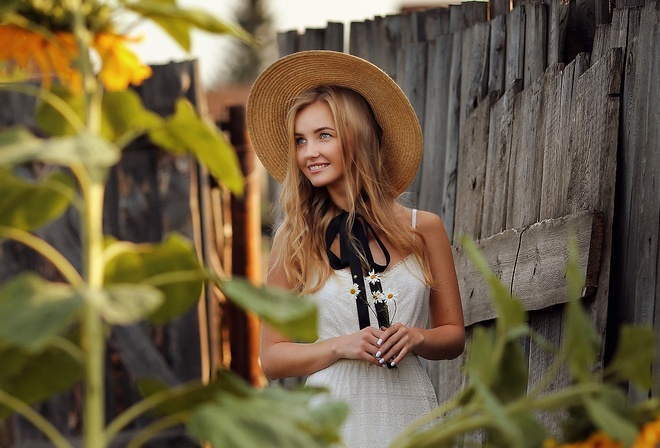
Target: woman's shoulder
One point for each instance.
(428, 222)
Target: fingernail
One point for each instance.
(380, 341)
(378, 353)
(392, 363)
(381, 360)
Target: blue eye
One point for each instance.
(324, 135)
(300, 141)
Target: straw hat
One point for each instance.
(285, 79)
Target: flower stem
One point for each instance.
(46, 250)
(43, 425)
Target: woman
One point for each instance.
(344, 141)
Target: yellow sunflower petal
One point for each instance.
(120, 66)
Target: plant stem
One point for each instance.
(157, 427)
(93, 337)
(46, 250)
(36, 419)
(144, 405)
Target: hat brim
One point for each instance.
(283, 81)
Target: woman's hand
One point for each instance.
(397, 341)
(362, 345)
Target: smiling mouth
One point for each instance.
(314, 168)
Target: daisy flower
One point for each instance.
(374, 277)
(377, 296)
(354, 291)
(389, 296)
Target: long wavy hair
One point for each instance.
(308, 210)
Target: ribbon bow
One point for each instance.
(349, 257)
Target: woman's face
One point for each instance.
(318, 149)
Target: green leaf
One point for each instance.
(479, 365)
(125, 304)
(171, 266)
(190, 395)
(97, 154)
(29, 205)
(634, 356)
(177, 21)
(609, 421)
(32, 311)
(186, 131)
(511, 375)
(124, 112)
(30, 377)
(51, 121)
(273, 417)
(290, 314)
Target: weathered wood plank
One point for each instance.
(333, 36)
(532, 262)
(497, 58)
(288, 42)
(536, 36)
(474, 83)
(467, 14)
(497, 163)
(601, 41)
(436, 23)
(471, 174)
(515, 45)
(553, 177)
(524, 186)
(451, 161)
(312, 39)
(556, 176)
(358, 42)
(435, 124)
(411, 76)
(557, 27)
(499, 8)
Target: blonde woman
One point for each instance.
(344, 142)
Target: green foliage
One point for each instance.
(496, 403)
(28, 205)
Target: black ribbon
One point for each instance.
(349, 257)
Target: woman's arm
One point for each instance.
(281, 357)
(445, 339)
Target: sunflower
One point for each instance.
(37, 38)
(35, 53)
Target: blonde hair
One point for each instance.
(308, 210)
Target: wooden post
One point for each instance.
(246, 250)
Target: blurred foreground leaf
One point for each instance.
(290, 314)
(33, 311)
(29, 205)
(171, 266)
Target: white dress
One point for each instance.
(382, 401)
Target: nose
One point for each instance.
(311, 151)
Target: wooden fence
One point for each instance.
(534, 122)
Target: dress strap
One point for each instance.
(414, 218)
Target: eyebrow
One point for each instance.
(316, 131)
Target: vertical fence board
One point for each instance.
(536, 36)
(453, 120)
(412, 79)
(333, 37)
(436, 23)
(557, 27)
(497, 163)
(497, 58)
(515, 46)
(526, 158)
(312, 39)
(474, 85)
(471, 174)
(435, 125)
